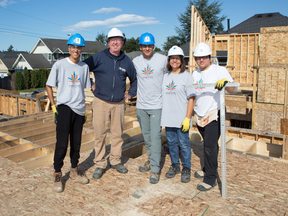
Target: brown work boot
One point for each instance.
(78, 175)
(58, 186)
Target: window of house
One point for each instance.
(222, 56)
(49, 57)
(240, 123)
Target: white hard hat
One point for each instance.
(175, 50)
(114, 32)
(202, 49)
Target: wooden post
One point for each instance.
(284, 131)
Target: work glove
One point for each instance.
(85, 117)
(185, 126)
(221, 83)
(55, 113)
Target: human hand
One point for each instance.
(185, 126)
(127, 97)
(93, 87)
(221, 83)
(55, 113)
(85, 117)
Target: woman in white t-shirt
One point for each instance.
(206, 108)
(177, 105)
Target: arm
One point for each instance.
(133, 82)
(50, 94)
(185, 126)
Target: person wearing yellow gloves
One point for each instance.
(71, 76)
(206, 109)
(177, 107)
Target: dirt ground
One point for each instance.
(255, 186)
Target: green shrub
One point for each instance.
(19, 80)
(27, 78)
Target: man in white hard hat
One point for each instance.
(206, 108)
(110, 67)
(150, 68)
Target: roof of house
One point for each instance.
(9, 62)
(186, 47)
(254, 23)
(36, 61)
(54, 44)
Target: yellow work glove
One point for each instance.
(185, 126)
(221, 83)
(85, 117)
(55, 113)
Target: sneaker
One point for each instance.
(78, 175)
(120, 168)
(174, 169)
(154, 178)
(98, 172)
(185, 175)
(146, 167)
(199, 174)
(205, 187)
(58, 186)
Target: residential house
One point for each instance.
(56, 49)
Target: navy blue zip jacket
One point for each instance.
(110, 73)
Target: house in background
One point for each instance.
(7, 60)
(56, 49)
(31, 62)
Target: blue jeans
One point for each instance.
(175, 135)
(150, 126)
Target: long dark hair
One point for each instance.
(182, 66)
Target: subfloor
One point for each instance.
(255, 186)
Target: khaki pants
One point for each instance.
(103, 113)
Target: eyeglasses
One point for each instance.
(202, 57)
(74, 47)
(117, 40)
(175, 58)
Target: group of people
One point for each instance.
(165, 98)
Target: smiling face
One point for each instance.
(147, 50)
(115, 45)
(175, 63)
(75, 52)
(203, 62)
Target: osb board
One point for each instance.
(271, 84)
(255, 186)
(268, 119)
(274, 45)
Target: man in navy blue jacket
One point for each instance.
(111, 67)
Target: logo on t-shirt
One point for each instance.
(171, 86)
(200, 82)
(74, 78)
(147, 70)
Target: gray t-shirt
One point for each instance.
(176, 92)
(70, 79)
(149, 80)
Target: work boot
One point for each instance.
(205, 187)
(199, 174)
(185, 175)
(98, 172)
(154, 178)
(58, 186)
(78, 175)
(146, 167)
(174, 169)
(120, 168)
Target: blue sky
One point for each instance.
(23, 22)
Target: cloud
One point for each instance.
(107, 10)
(4, 3)
(118, 21)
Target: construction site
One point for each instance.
(256, 163)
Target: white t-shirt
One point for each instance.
(150, 74)
(175, 94)
(70, 79)
(208, 98)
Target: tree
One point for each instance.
(131, 45)
(10, 49)
(210, 15)
(27, 78)
(171, 41)
(208, 12)
(157, 49)
(19, 80)
(101, 38)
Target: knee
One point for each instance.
(207, 151)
